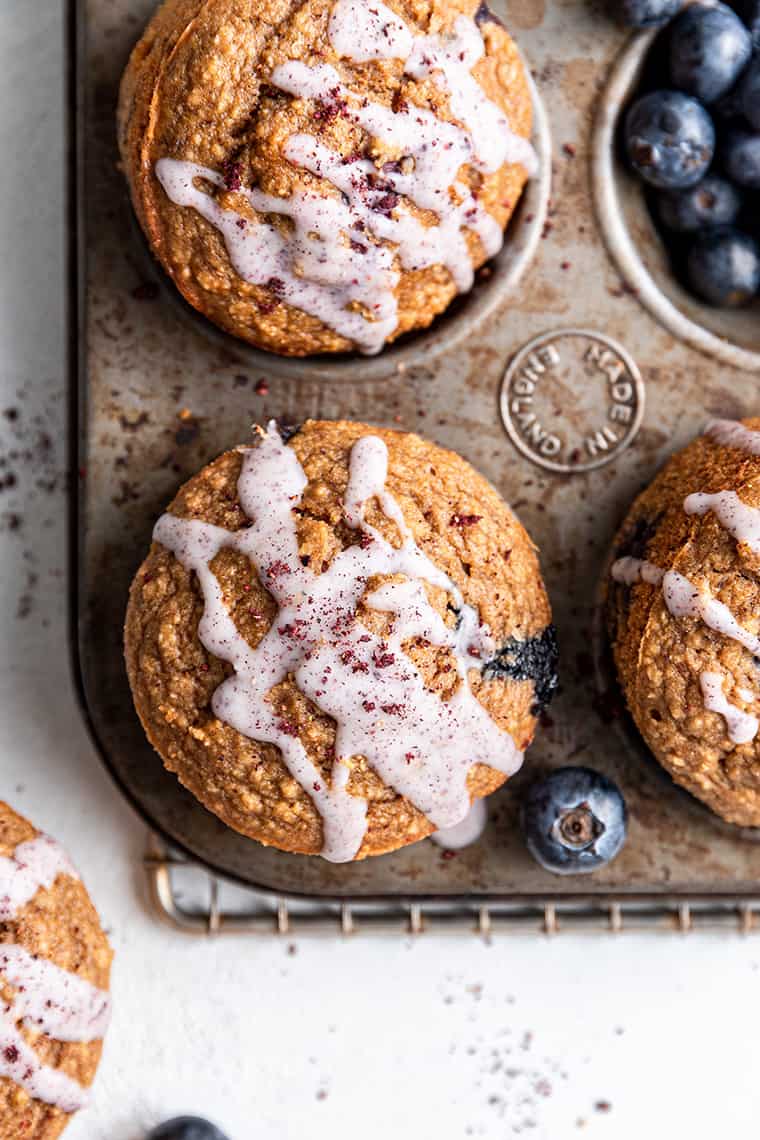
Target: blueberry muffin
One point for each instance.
(338, 642)
(324, 176)
(55, 963)
(684, 617)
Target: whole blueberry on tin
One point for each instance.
(740, 156)
(709, 48)
(723, 267)
(574, 820)
(712, 202)
(749, 93)
(748, 12)
(186, 1128)
(646, 13)
(669, 139)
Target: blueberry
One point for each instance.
(669, 139)
(749, 219)
(729, 108)
(740, 156)
(186, 1128)
(749, 93)
(574, 820)
(712, 202)
(529, 659)
(749, 12)
(647, 13)
(709, 48)
(723, 267)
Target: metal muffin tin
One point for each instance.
(154, 398)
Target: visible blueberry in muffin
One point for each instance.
(534, 659)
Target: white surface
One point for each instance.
(396, 1034)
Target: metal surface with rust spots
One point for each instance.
(161, 401)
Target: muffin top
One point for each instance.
(684, 614)
(324, 176)
(338, 642)
(54, 970)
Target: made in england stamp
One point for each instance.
(572, 400)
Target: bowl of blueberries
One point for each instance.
(676, 170)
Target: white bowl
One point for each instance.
(729, 335)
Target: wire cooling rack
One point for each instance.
(194, 901)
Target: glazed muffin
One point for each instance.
(324, 176)
(684, 617)
(55, 963)
(338, 642)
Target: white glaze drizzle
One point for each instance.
(420, 745)
(365, 32)
(684, 599)
(731, 433)
(628, 571)
(20, 1063)
(743, 523)
(742, 727)
(465, 833)
(316, 268)
(418, 246)
(35, 864)
(51, 1000)
(339, 263)
(47, 999)
(358, 32)
(740, 520)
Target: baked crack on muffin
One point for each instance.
(55, 963)
(340, 642)
(324, 176)
(683, 611)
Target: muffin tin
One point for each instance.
(155, 397)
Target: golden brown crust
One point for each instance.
(173, 678)
(659, 657)
(60, 924)
(196, 89)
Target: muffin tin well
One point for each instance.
(494, 283)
